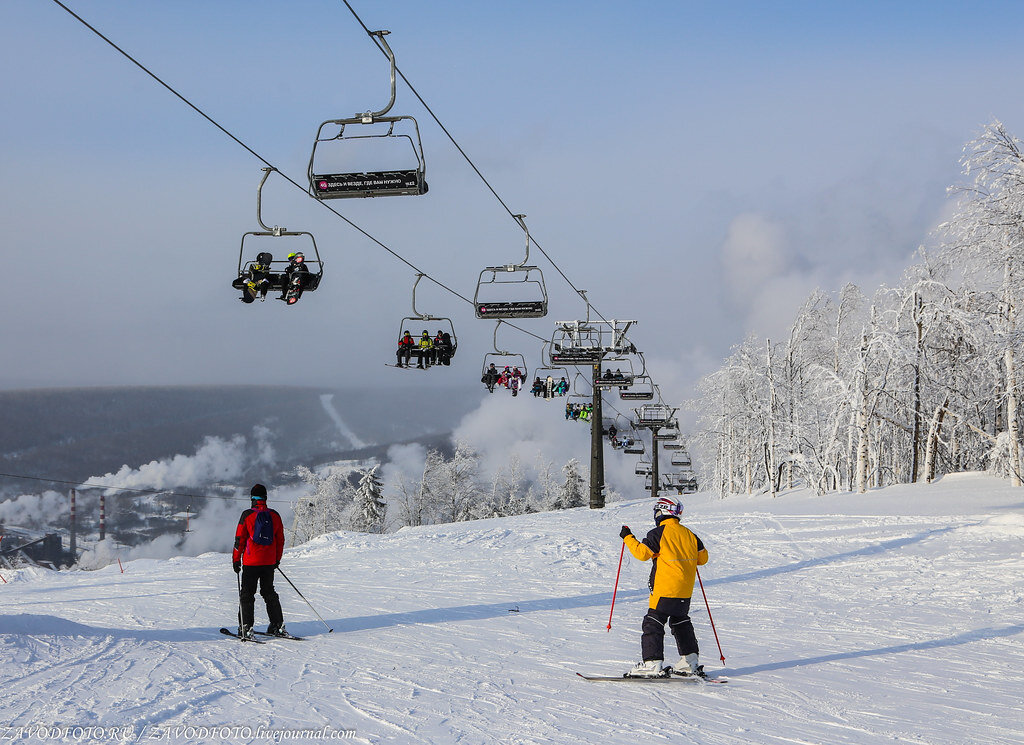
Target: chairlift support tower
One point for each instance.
(654, 417)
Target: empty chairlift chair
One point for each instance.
(338, 142)
(512, 290)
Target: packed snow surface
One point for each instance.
(891, 617)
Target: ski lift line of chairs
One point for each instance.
(525, 284)
(263, 274)
(428, 349)
(325, 183)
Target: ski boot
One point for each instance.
(275, 629)
(647, 669)
(688, 666)
(245, 634)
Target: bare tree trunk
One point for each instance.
(1012, 403)
(933, 441)
(919, 354)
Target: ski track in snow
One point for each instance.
(327, 401)
(838, 629)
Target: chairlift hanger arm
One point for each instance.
(370, 116)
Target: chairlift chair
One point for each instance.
(670, 432)
(261, 275)
(643, 468)
(641, 390)
(676, 444)
(682, 459)
(618, 378)
(327, 183)
(653, 415)
(425, 319)
(637, 448)
(512, 290)
(575, 343)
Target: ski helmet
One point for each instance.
(667, 507)
(258, 491)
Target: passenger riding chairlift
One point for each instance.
(531, 296)
(426, 319)
(498, 357)
(327, 184)
(276, 280)
(617, 378)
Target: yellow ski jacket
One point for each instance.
(676, 553)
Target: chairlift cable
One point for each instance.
(266, 162)
(466, 157)
(303, 188)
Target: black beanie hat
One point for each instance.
(258, 491)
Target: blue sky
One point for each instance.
(652, 145)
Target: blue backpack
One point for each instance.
(263, 530)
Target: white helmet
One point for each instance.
(667, 507)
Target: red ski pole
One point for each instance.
(621, 554)
(709, 616)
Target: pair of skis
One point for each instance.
(229, 632)
(673, 678)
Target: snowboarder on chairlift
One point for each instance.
(676, 553)
(259, 544)
(295, 276)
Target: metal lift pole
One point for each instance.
(654, 462)
(596, 446)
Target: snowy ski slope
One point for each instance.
(893, 617)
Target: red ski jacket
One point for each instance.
(253, 554)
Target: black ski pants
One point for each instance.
(264, 576)
(676, 613)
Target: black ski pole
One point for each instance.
(329, 629)
(238, 576)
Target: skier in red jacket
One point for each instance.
(259, 544)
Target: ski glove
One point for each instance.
(625, 531)
(237, 566)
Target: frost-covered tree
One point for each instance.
(369, 510)
(987, 236)
(323, 510)
(573, 491)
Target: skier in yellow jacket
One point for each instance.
(676, 553)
